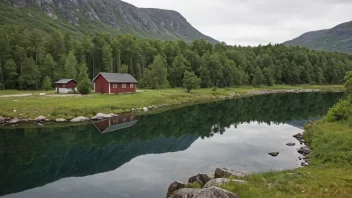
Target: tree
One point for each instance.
(107, 58)
(30, 73)
(71, 66)
(10, 77)
(348, 82)
(46, 85)
(258, 78)
(48, 66)
(179, 66)
(84, 84)
(123, 69)
(157, 75)
(190, 81)
(268, 77)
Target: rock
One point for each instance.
(40, 119)
(304, 150)
(299, 158)
(2, 119)
(291, 144)
(42, 94)
(145, 109)
(101, 116)
(274, 154)
(304, 164)
(220, 181)
(212, 192)
(60, 120)
(226, 173)
(201, 178)
(40, 124)
(14, 121)
(174, 186)
(298, 136)
(80, 119)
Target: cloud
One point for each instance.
(254, 22)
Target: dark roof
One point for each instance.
(64, 81)
(117, 78)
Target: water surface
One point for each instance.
(141, 156)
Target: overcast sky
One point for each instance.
(253, 22)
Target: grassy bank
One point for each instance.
(54, 106)
(329, 175)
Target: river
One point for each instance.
(139, 156)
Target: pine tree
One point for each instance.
(190, 81)
(107, 58)
(84, 84)
(46, 85)
(71, 66)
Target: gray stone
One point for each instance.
(40, 119)
(80, 119)
(14, 121)
(291, 144)
(145, 109)
(298, 136)
(212, 192)
(61, 120)
(201, 178)
(274, 154)
(304, 150)
(226, 173)
(304, 164)
(220, 181)
(174, 186)
(102, 116)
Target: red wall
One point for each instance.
(119, 88)
(101, 85)
(71, 84)
(103, 125)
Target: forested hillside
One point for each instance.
(27, 56)
(338, 38)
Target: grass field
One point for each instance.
(53, 106)
(329, 175)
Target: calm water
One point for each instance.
(143, 155)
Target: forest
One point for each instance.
(34, 59)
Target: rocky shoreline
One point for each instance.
(209, 186)
(100, 116)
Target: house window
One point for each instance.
(123, 86)
(131, 85)
(114, 86)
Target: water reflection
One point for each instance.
(115, 124)
(166, 146)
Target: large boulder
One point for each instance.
(80, 119)
(212, 192)
(304, 150)
(220, 181)
(226, 173)
(59, 120)
(41, 119)
(2, 119)
(174, 186)
(201, 178)
(14, 121)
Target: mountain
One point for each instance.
(338, 38)
(112, 16)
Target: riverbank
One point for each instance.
(328, 175)
(67, 108)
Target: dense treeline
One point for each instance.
(27, 57)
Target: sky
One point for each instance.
(254, 22)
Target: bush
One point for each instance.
(342, 111)
(84, 87)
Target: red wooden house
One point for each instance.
(66, 86)
(113, 83)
